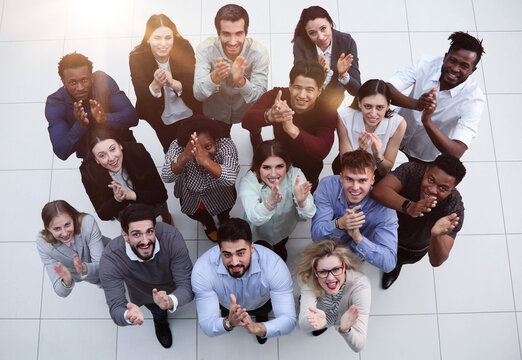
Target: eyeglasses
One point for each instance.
(336, 271)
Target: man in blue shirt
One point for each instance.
(242, 279)
(86, 100)
(345, 211)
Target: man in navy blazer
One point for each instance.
(85, 100)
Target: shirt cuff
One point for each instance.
(344, 80)
(125, 317)
(156, 95)
(328, 78)
(175, 302)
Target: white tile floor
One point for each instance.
(470, 308)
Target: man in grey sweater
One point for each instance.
(153, 261)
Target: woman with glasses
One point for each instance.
(333, 292)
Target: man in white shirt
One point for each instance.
(449, 97)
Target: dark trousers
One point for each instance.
(165, 133)
(159, 316)
(279, 248)
(204, 217)
(261, 311)
(255, 134)
(408, 256)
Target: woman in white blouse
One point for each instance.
(371, 125)
(275, 196)
(333, 292)
(70, 246)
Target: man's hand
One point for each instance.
(302, 191)
(352, 222)
(64, 273)
(256, 328)
(317, 319)
(134, 314)
(444, 225)
(344, 63)
(426, 99)
(348, 319)
(238, 316)
(80, 267)
(162, 299)
(430, 105)
(97, 112)
(280, 111)
(220, 72)
(324, 64)
(79, 114)
(238, 71)
(420, 207)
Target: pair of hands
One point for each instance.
(96, 110)
(317, 318)
(301, 192)
(427, 103)
(442, 226)
(161, 298)
(65, 274)
(367, 139)
(238, 316)
(343, 64)
(280, 112)
(163, 77)
(352, 222)
(122, 193)
(195, 151)
(237, 71)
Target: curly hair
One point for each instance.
(198, 124)
(451, 165)
(461, 40)
(73, 60)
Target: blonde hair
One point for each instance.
(306, 262)
(55, 208)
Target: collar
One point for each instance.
(435, 78)
(328, 50)
(253, 269)
(133, 256)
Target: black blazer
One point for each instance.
(304, 49)
(143, 65)
(142, 172)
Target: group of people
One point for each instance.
(365, 212)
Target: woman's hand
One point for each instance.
(198, 152)
(348, 319)
(121, 192)
(375, 143)
(324, 64)
(63, 273)
(317, 319)
(302, 191)
(80, 267)
(344, 63)
(273, 198)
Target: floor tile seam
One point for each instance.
(446, 313)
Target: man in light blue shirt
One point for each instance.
(345, 211)
(242, 279)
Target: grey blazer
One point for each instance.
(89, 244)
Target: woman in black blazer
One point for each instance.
(117, 174)
(162, 70)
(315, 30)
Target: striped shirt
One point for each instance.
(196, 185)
(330, 305)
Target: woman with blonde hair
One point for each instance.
(333, 292)
(70, 246)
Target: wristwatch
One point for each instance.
(405, 205)
(228, 326)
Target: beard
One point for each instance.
(144, 258)
(238, 274)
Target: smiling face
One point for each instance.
(319, 30)
(436, 183)
(141, 238)
(373, 108)
(78, 82)
(109, 154)
(356, 184)
(161, 41)
(329, 265)
(236, 256)
(303, 94)
(272, 170)
(61, 227)
(232, 35)
(456, 68)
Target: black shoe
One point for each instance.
(260, 319)
(261, 340)
(389, 278)
(163, 334)
(319, 332)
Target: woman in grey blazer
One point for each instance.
(70, 246)
(333, 292)
(315, 39)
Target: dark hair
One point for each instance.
(234, 229)
(73, 60)
(311, 13)
(359, 160)
(99, 134)
(373, 87)
(55, 208)
(199, 124)
(264, 151)
(154, 22)
(136, 212)
(461, 40)
(451, 165)
(309, 69)
(231, 12)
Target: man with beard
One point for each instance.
(242, 279)
(449, 94)
(153, 261)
